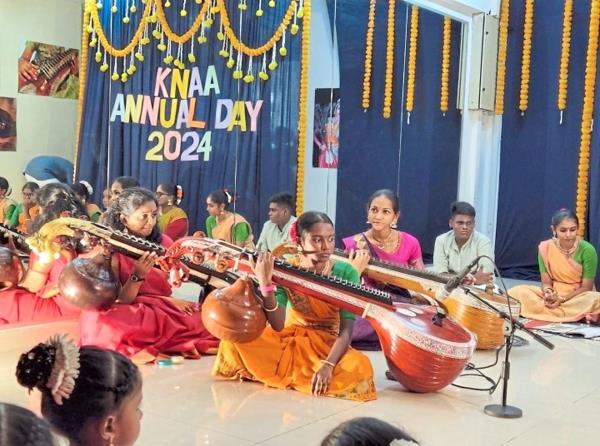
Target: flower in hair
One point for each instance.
(65, 369)
(228, 195)
(294, 232)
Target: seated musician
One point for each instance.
(145, 321)
(7, 206)
(455, 249)
(568, 268)
(277, 230)
(37, 297)
(382, 242)
(24, 214)
(172, 221)
(120, 184)
(307, 345)
(226, 225)
(84, 191)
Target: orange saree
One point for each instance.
(289, 358)
(566, 276)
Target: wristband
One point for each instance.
(267, 289)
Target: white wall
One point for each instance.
(320, 185)
(44, 125)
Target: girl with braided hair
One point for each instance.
(90, 395)
(145, 321)
(37, 297)
(21, 426)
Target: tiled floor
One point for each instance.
(559, 392)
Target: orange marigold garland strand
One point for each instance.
(563, 76)
(587, 115)
(412, 61)
(526, 56)
(445, 65)
(366, 94)
(502, 51)
(389, 61)
(306, 16)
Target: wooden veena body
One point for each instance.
(463, 308)
(480, 319)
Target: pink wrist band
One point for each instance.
(267, 289)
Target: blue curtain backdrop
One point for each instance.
(538, 171)
(419, 161)
(255, 164)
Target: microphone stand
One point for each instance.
(504, 410)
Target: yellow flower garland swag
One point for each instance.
(154, 21)
(447, 34)
(412, 61)
(502, 52)
(366, 93)
(526, 56)
(587, 115)
(305, 13)
(563, 76)
(83, 60)
(389, 61)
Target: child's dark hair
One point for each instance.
(173, 190)
(562, 215)
(83, 190)
(126, 204)
(461, 208)
(310, 218)
(222, 196)
(284, 199)
(365, 431)
(57, 200)
(31, 186)
(106, 378)
(390, 195)
(127, 182)
(20, 426)
(4, 185)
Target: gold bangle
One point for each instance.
(273, 309)
(329, 363)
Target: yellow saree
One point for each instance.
(289, 358)
(566, 276)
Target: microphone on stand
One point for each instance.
(454, 282)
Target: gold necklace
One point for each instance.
(567, 252)
(384, 244)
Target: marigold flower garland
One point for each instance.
(586, 117)
(83, 59)
(306, 16)
(412, 61)
(366, 94)
(502, 51)
(444, 81)
(389, 61)
(563, 76)
(526, 57)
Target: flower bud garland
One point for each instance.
(444, 81)
(366, 93)
(563, 76)
(412, 61)
(526, 56)
(389, 61)
(502, 51)
(306, 16)
(587, 115)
